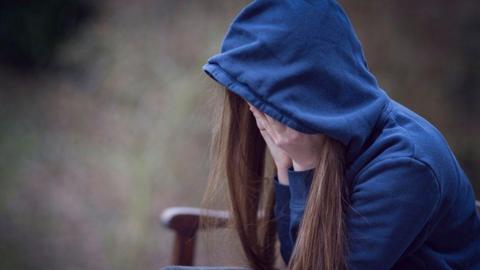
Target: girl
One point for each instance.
(361, 182)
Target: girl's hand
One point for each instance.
(301, 148)
(280, 158)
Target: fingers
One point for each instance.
(264, 129)
(262, 124)
(275, 128)
(267, 137)
(260, 117)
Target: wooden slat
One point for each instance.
(184, 221)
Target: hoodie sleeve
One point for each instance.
(391, 203)
(282, 216)
(289, 207)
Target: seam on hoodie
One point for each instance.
(432, 171)
(427, 227)
(386, 110)
(235, 83)
(414, 154)
(305, 1)
(384, 117)
(407, 133)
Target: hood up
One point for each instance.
(301, 63)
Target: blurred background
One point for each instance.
(105, 115)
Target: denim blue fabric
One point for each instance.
(411, 205)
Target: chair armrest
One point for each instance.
(185, 222)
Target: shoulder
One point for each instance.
(408, 143)
(394, 196)
(400, 179)
(393, 202)
(399, 174)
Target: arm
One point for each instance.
(391, 204)
(289, 205)
(282, 216)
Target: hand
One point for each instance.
(280, 158)
(301, 148)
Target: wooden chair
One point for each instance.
(184, 222)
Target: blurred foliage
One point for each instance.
(426, 55)
(31, 31)
(93, 149)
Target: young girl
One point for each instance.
(361, 182)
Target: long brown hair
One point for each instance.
(238, 154)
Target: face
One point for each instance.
(300, 147)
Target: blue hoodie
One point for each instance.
(300, 62)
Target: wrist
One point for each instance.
(303, 166)
(282, 175)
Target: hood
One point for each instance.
(301, 63)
